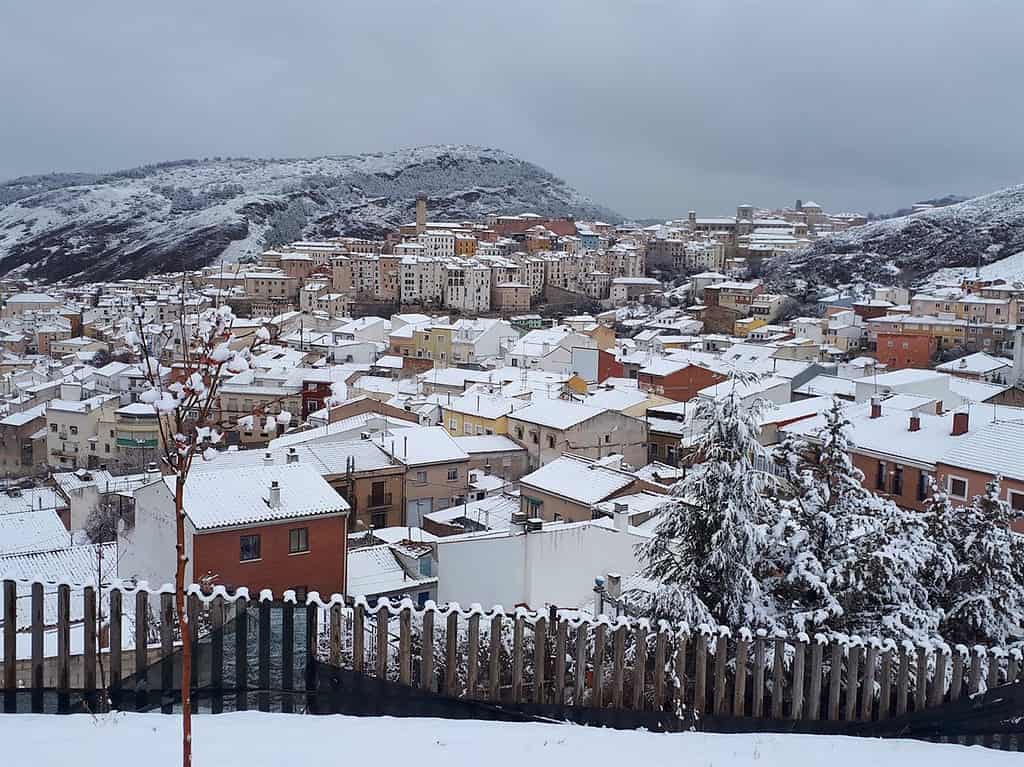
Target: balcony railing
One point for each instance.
(378, 501)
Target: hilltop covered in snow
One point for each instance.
(909, 249)
(185, 214)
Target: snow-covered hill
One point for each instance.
(910, 249)
(185, 214)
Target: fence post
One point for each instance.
(558, 674)
(939, 679)
(580, 679)
(141, 646)
(597, 694)
(63, 648)
(903, 680)
(287, 653)
(89, 651)
(451, 671)
(312, 648)
(721, 650)
(37, 648)
(618, 664)
(473, 653)
(682, 639)
(427, 644)
(994, 655)
(540, 653)
(494, 671)
(778, 677)
(216, 654)
(639, 665)
(192, 609)
(813, 707)
(383, 618)
(404, 645)
(517, 659)
(739, 693)
(700, 671)
(241, 653)
(10, 646)
(867, 693)
(166, 652)
(885, 687)
(835, 673)
(115, 642)
(852, 679)
(921, 679)
(660, 647)
(334, 654)
(799, 652)
(757, 709)
(956, 681)
(359, 637)
(263, 659)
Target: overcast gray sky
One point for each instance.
(649, 107)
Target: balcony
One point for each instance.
(141, 440)
(378, 501)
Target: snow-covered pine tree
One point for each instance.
(983, 601)
(706, 551)
(850, 561)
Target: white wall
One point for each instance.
(555, 566)
(147, 550)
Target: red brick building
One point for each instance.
(270, 526)
(906, 350)
(677, 380)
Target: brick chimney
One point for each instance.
(960, 423)
(876, 407)
(915, 421)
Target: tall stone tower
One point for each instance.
(421, 213)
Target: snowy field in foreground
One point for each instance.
(253, 740)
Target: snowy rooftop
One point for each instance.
(421, 446)
(577, 479)
(556, 414)
(375, 570)
(31, 531)
(242, 495)
(487, 443)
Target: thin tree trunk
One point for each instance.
(186, 629)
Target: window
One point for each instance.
(1016, 500)
(534, 437)
(519, 431)
(379, 519)
(106, 447)
(533, 506)
(957, 488)
(421, 477)
(53, 428)
(607, 438)
(453, 425)
(249, 548)
(298, 540)
(923, 484)
(425, 567)
(897, 481)
(551, 441)
(880, 476)
(453, 474)
(74, 430)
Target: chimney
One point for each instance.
(621, 517)
(268, 458)
(876, 407)
(961, 421)
(275, 494)
(293, 455)
(915, 421)
(517, 522)
(691, 217)
(534, 525)
(613, 585)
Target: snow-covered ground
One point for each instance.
(1010, 269)
(253, 739)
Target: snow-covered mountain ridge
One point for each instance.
(185, 214)
(909, 249)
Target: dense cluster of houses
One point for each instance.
(459, 457)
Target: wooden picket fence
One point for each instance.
(263, 651)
